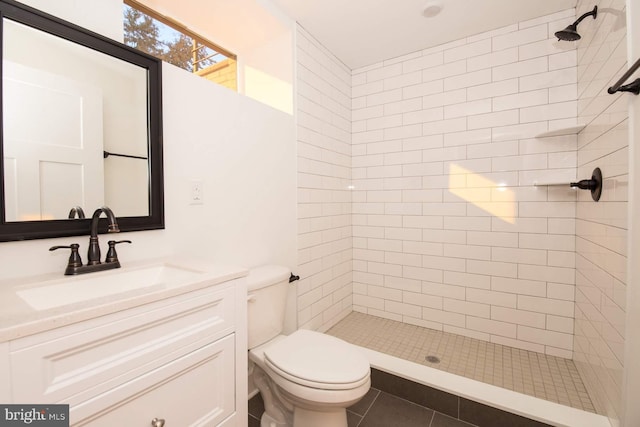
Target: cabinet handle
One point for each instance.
(157, 422)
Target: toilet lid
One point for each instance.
(318, 360)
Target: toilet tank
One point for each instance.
(267, 288)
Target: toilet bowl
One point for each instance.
(306, 379)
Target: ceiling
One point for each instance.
(364, 32)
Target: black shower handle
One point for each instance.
(585, 184)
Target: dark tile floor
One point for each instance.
(378, 409)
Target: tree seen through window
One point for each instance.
(151, 36)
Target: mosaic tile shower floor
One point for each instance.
(547, 377)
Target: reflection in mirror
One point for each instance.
(81, 128)
(64, 106)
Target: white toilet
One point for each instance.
(306, 379)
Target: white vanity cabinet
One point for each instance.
(177, 361)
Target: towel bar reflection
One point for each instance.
(106, 154)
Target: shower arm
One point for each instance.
(584, 15)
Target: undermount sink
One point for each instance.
(74, 289)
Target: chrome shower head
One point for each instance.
(571, 32)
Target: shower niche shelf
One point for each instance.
(573, 130)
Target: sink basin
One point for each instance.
(74, 289)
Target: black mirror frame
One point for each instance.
(12, 231)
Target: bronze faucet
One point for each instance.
(74, 266)
(93, 255)
(76, 210)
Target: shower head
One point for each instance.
(571, 32)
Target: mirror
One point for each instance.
(81, 128)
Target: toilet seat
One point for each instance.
(319, 361)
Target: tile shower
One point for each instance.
(552, 378)
(433, 219)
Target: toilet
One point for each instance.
(306, 379)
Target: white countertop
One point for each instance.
(18, 318)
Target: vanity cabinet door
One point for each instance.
(195, 390)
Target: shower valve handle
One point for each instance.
(585, 184)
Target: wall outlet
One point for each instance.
(197, 193)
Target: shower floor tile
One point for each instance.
(547, 377)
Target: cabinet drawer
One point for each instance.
(76, 362)
(195, 390)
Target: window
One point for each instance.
(166, 39)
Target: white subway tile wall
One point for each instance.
(417, 195)
(601, 251)
(449, 231)
(324, 176)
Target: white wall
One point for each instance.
(324, 174)
(266, 72)
(449, 231)
(243, 152)
(631, 373)
(601, 228)
(102, 17)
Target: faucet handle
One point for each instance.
(112, 256)
(74, 259)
